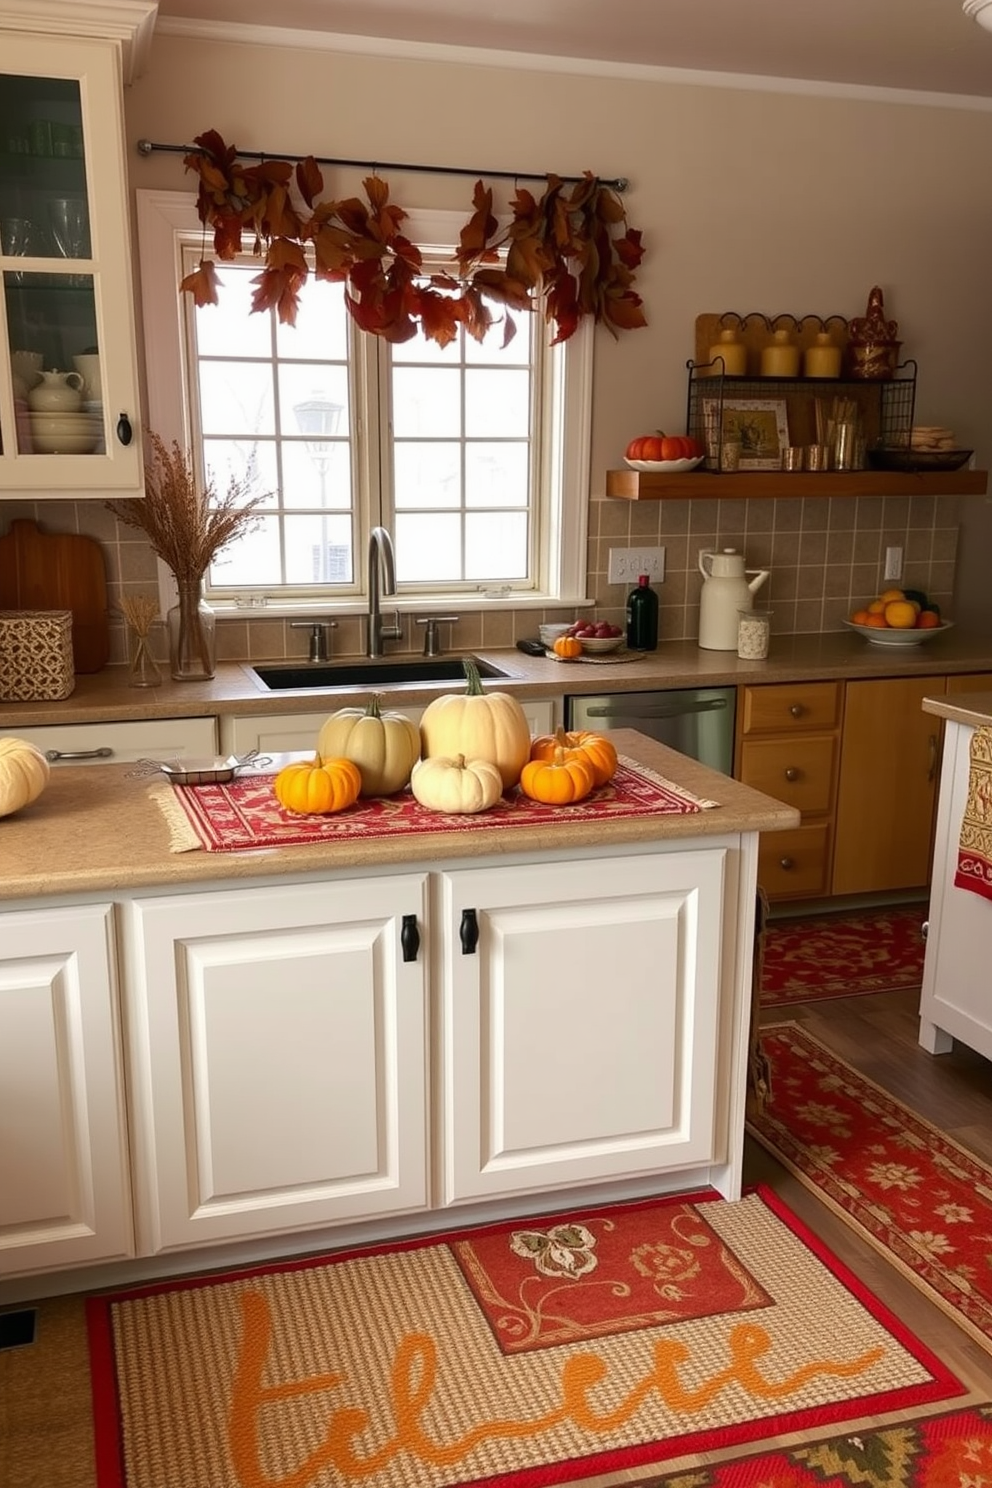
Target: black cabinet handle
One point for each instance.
(410, 938)
(124, 431)
(468, 932)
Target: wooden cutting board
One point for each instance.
(59, 571)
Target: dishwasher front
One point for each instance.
(697, 721)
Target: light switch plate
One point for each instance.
(627, 564)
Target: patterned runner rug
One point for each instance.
(922, 1200)
(524, 1353)
(842, 955)
(946, 1451)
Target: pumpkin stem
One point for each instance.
(373, 707)
(475, 688)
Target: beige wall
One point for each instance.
(747, 200)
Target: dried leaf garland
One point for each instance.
(564, 248)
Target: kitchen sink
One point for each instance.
(282, 677)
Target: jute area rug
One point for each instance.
(923, 1201)
(811, 957)
(943, 1451)
(517, 1354)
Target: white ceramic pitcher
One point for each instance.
(57, 392)
(725, 591)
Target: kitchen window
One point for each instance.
(474, 456)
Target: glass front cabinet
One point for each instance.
(69, 413)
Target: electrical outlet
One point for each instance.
(627, 564)
(893, 563)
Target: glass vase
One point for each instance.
(143, 669)
(192, 635)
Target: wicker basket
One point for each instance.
(35, 655)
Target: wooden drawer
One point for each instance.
(795, 865)
(798, 771)
(790, 707)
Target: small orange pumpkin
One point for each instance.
(558, 781)
(594, 748)
(568, 647)
(318, 787)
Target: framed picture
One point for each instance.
(761, 425)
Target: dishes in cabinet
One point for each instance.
(901, 457)
(64, 433)
(663, 467)
(877, 636)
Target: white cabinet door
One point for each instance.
(64, 1197)
(579, 1035)
(99, 743)
(65, 263)
(277, 1041)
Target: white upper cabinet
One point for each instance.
(69, 414)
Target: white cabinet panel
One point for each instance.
(64, 1197)
(100, 743)
(278, 1047)
(580, 1035)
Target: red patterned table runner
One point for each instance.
(244, 813)
(974, 869)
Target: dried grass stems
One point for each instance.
(140, 612)
(187, 526)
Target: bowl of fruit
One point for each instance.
(899, 617)
(597, 636)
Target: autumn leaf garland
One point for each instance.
(569, 248)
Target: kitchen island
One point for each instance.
(208, 1057)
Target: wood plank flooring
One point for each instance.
(45, 1433)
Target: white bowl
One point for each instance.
(54, 442)
(550, 633)
(876, 636)
(664, 467)
(597, 645)
(66, 421)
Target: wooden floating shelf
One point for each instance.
(636, 485)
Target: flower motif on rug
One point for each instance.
(564, 1250)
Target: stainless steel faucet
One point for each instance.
(382, 572)
(317, 649)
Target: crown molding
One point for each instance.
(129, 22)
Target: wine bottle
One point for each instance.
(642, 617)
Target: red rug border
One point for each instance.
(944, 1385)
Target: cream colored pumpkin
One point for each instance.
(384, 746)
(458, 787)
(24, 773)
(478, 725)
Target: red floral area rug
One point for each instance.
(945, 1451)
(922, 1200)
(527, 1353)
(842, 955)
(244, 812)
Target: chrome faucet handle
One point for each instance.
(432, 641)
(318, 629)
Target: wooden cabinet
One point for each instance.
(277, 1048)
(788, 746)
(579, 1007)
(98, 743)
(64, 1197)
(65, 255)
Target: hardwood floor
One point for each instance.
(45, 1435)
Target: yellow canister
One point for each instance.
(780, 358)
(733, 353)
(822, 359)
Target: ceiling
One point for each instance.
(925, 46)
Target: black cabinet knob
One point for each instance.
(468, 932)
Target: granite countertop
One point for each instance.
(973, 708)
(97, 828)
(105, 696)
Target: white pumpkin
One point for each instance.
(384, 746)
(24, 772)
(458, 787)
(478, 725)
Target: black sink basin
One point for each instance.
(282, 677)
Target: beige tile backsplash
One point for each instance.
(825, 557)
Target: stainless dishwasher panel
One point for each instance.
(697, 721)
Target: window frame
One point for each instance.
(561, 502)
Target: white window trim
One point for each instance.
(161, 215)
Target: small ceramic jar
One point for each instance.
(780, 358)
(822, 359)
(57, 392)
(732, 352)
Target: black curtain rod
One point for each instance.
(148, 147)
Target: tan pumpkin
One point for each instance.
(456, 786)
(384, 746)
(24, 773)
(318, 787)
(478, 725)
(595, 748)
(559, 781)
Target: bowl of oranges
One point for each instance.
(898, 617)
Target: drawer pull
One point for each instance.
(787, 864)
(797, 710)
(792, 773)
(410, 937)
(468, 932)
(104, 752)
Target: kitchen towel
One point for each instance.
(974, 870)
(243, 813)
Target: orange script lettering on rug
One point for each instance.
(412, 1380)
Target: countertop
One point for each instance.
(105, 696)
(96, 828)
(974, 708)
